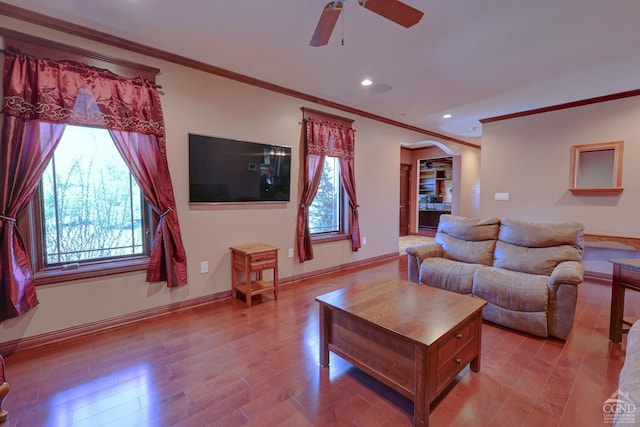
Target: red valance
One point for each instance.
(73, 93)
(329, 139)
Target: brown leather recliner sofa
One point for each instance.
(528, 272)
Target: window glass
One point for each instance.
(91, 206)
(325, 212)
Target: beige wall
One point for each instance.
(529, 158)
(202, 103)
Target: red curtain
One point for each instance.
(42, 95)
(145, 156)
(348, 179)
(326, 137)
(312, 177)
(25, 151)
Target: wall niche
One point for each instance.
(596, 169)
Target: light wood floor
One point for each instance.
(226, 365)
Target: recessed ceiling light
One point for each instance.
(447, 116)
(366, 82)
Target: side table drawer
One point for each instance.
(262, 257)
(262, 265)
(263, 261)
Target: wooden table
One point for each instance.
(626, 275)
(413, 338)
(252, 259)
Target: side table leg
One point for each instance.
(275, 278)
(247, 282)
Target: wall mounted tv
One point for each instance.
(230, 171)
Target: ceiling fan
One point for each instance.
(394, 10)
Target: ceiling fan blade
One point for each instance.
(327, 22)
(394, 10)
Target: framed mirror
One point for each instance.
(596, 169)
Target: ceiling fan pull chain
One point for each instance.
(342, 21)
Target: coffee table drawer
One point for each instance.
(454, 342)
(449, 368)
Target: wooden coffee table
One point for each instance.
(412, 337)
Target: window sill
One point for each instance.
(90, 270)
(329, 237)
(604, 191)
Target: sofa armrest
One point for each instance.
(418, 253)
(565, 273)
(629, 379)
(563, 296)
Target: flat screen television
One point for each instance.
(225, 170)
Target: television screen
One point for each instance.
(226, 170)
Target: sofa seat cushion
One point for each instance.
(448, 274)
(515, 300)
(512, 290)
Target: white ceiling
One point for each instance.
(472, 58)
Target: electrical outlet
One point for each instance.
(204, 267)
(290, 253)
(501, 196)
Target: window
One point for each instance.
(91, 89)
(326, 213)
(88, 214)
(328, 205)
(91, 205)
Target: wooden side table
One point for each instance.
(626, 275)
(252, 259)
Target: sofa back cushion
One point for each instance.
(469, 240)
(537, 247)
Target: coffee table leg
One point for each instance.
(420, 399)
(325, 317)
(475, 362)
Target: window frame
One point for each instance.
(344, 229)
(30, 225)
(29, 220)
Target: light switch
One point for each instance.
(204, 267)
